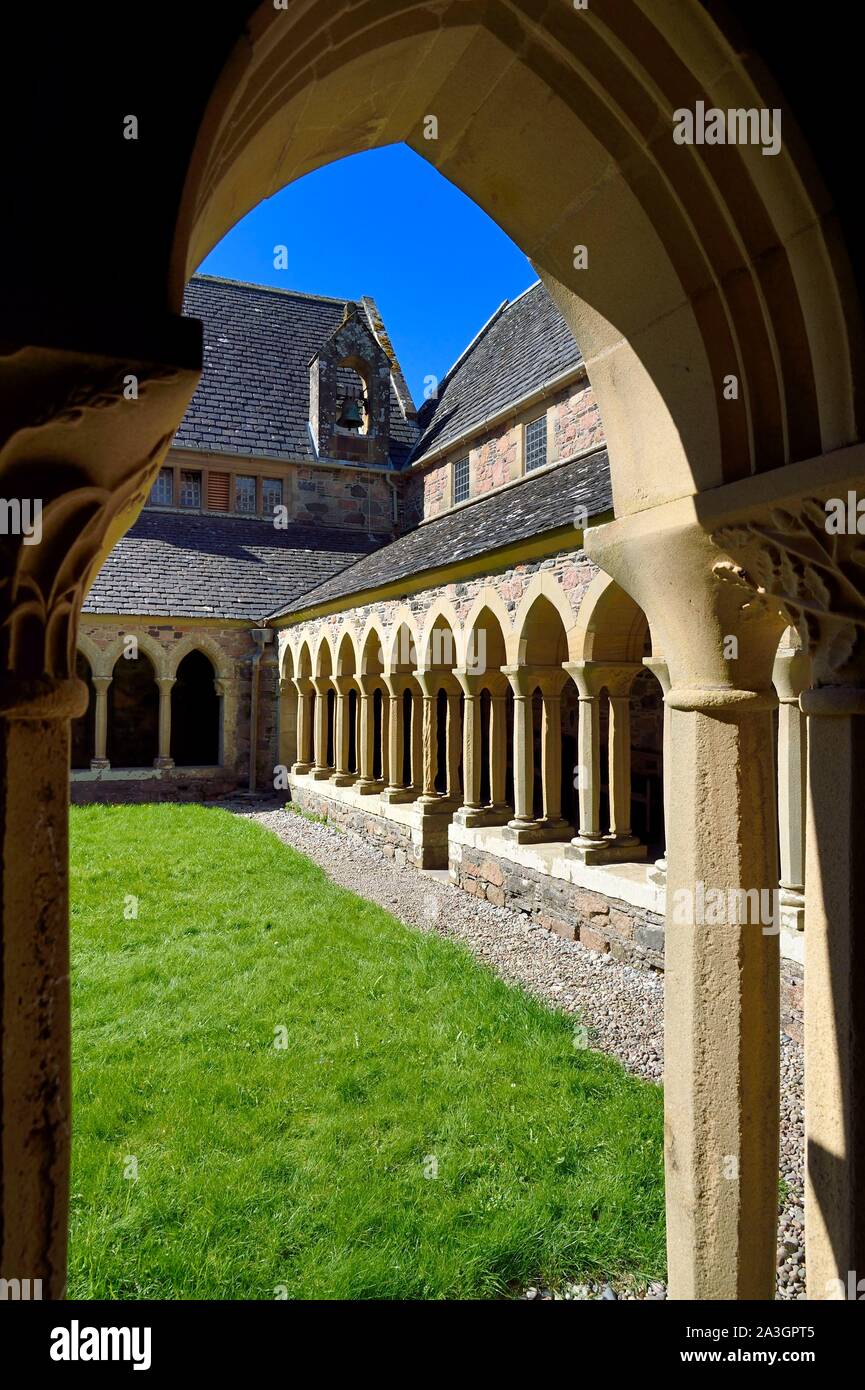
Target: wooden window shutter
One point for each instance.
(219, 492)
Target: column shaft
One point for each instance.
(472, 752)
(100, 731)
(453, 742)
(551, 757)
(498, 749)
(164, 758)
(835, 992)
(721, 1091)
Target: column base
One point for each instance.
(368, 786)
(164, 763)
(321, 774)
(536, 832)
(605, 851)
(434, 806)
(344, 779)
(300, 769)
(99, 764)
(471, 816)
(398, 796)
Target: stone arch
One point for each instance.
(544, 626)
(486, 633)
(96, 656)
(441, 618)
(303, 664)
(223, 666)
(611, 626)
(372, 648)
(323, 659)
(403, 651)
(346, 660)
(710, 255)
(158, 655)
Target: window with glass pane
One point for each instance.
(162, 492)
(244, 494)
(461, 480)
(190, 489)
(271, 495)
(536, 444)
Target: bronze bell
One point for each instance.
(350, 418)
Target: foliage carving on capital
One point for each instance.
(815, 578)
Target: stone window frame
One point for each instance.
(457, 480)
(544, 443)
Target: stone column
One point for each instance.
(721, 1080)
(657, 665)
(453, 742)
(398, 788)
(288, 717)
(589, 840)
(470, 812)
(322, 770)
(342, 733)
(70, 438)
(303, 686)
(417, 744)
(385, 738)
(522, 683)
(792, 675)
(366, 751)
(818, 577)
(164, 758)
(551, 754)
(835, 989)
(429, 684)
(498, 752)
(100, 733)
(621, 838)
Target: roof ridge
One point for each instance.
(270, 289)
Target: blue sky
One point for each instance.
(384, 223)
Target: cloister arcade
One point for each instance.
(551, 727)
(147, 708)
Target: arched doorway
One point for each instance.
(195, 713)
(133, 713)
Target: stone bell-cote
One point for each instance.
(349, 394)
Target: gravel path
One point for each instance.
(620, 1008)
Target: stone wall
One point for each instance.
(573, 425)
(572, 570)
(358, 500)
(632, 935)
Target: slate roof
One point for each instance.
(539, 502)
(180, 565)
(526, 344)
(253, 396)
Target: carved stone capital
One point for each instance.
(814, 576)
(82, 436)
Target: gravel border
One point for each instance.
(620, 1008)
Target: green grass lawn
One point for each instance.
(309, 1169)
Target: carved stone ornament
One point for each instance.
(815, 577)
